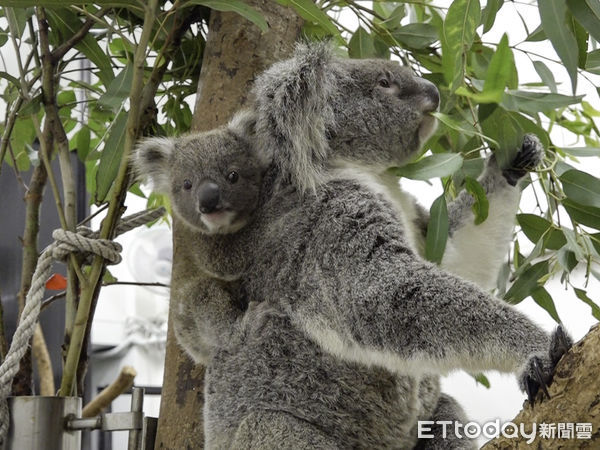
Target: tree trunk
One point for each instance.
(575, 399)
(236, 51)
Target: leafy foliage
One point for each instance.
(486, 108)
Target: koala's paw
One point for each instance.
(540, 368)
(527, 159)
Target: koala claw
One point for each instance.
(535, 380)
(539, 371)
(561, 343)
(528, 157)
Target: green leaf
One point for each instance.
(592, 63)
(82, 143)
(117, 91)
(567, 259)
(481, 206)
(536, 228)
(67, 23)
(460, 24)
(544, 299)
(312, 13)
(111, 157)
(582, 295)
(524, 286)
(361, 44)
(416, 35)
(582, 152)
(482, 379)
(466, 128)
(581, 187)
(537, 35)
(502, 131)
(545, 75)
(437, 230)
(584, 215)
(63, 3)
(499, 71)
(586, 16)
(553, 14)
(535, 102)
(17, 19)
(488, 16)
(235, 6)
(31, 107)
(438, 165)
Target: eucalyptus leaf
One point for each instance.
(117, 91)
(461, 21)
(437, 230)
(416, 35)
(545, 75)
(553, 14)
(481, 204)
(361, 44)
(67, 24)
(535, 102)
(488, 17)
(544, 299)
(236, 6)
(434, 166)
(584, 215)
(582, 295)
(536, 228)
(524, 285)
(586, 17)
(581, 187)
(312, 13)
(499, 71)
(111, 157)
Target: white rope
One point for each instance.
(65, 242)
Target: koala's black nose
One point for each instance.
(209, 198)
(431, 95)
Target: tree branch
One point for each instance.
(574, 399)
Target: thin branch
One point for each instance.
(62, 50)
(89, 292)
(135, 283)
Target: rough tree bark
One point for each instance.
(575, 398)
(236, 51)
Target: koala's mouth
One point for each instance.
(427, 128)
(222, 221)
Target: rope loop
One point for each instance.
(84, 241)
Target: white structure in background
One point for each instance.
(130, 324)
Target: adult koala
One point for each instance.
(354, 327)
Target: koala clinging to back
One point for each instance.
(213, 181)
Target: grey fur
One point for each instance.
(353, 327)
(208, 158)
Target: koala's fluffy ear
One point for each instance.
(150, 162)
(243, 125)
(294, 112)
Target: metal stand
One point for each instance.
(52, 422)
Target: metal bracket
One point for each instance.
(133, 421)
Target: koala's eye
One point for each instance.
(187, 184)
(232, 177)
(384, 82)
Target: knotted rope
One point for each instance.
(85, 242)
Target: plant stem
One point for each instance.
(89, 291)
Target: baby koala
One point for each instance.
(213, 180)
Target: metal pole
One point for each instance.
(137, 405)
